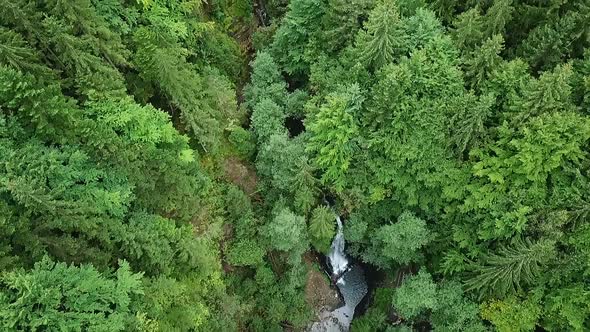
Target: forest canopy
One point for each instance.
(166, 164)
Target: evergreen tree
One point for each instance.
(380, 43)
(268, 119)
(468, 29)
(515, 266)
(302, 20)
(497, 17)
(416, 295)
(483, 61)
(399, 243)
(56, 296)
(322, 228)
(286, 232)
(333, 128)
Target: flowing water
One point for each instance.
(351, 282)
(336, 257)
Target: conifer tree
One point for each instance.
(333, 128)
(380, 43)
(511, 269)
(56, 296)
(322, 228)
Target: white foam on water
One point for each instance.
(351, 283)
(336, 256)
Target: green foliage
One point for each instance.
(322, 228)
(468, 29)
(159, 246)
(473, 116)
(243, 142)
(120, 127)
(341, 22)
(416, 296)
(444, 304)
(288, 172)
(512, 314)
(568, 308)
(178, 305)
(266, 81)
(469, 123)
(268, 119)
(245, 253)
(237, 203)
(55, 296)
(497, 17)
(511, 269)
(551, 92)
(286, 232)
(93, 173)
(455, 312)
(388, 37)
(399, 243)
(301, 21)
(549, 43)
(333, 128)
(517, 170)
(483, 61)
(380, 41)
(82, 46)
(408, 141)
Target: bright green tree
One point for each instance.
(333, 129)
(400, 242)
(512, 314)
(416, 295)
(511, 269)
(55, 296)
(322, 228)
(287, 232)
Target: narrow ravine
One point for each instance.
(350, 280)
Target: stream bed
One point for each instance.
(351, 282)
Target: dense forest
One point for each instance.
(166, 164)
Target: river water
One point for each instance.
(350, 280)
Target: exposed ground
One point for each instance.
(318, 291)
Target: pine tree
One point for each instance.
(418, 31)
(380, 43)
(333, 129)
(468, 29)
(268, 119)
(497, 17)
(481, 62)
(469, 124)
(300, 23)
(550, 93)
(266, 81)
(55, 296)
(550, 43)
(322, 228)
(341, 23)
(512, 268)
(16, 53)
